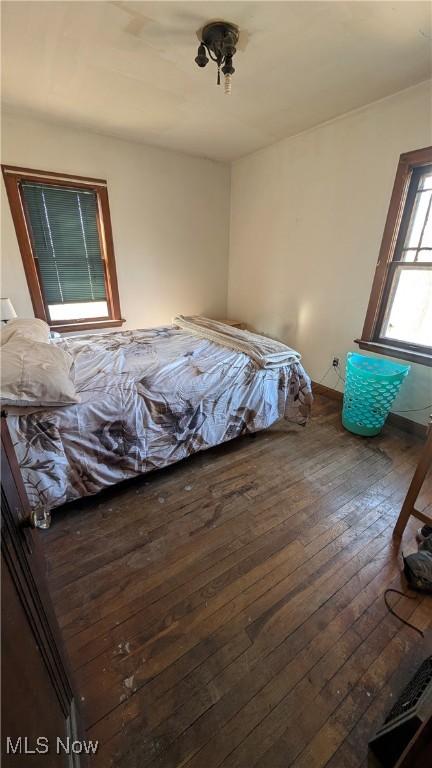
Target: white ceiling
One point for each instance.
(127, 68)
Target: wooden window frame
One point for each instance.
(13, 176)
(370, 338)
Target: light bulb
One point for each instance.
(227, 85)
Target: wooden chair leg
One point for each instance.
(408, 507)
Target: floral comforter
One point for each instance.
(148, 399)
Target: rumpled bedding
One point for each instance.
(148, 398)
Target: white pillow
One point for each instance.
(35, 373)
(29, 328)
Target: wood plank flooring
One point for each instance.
(228, 611)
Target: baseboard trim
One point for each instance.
(321, 389)
(408, 425)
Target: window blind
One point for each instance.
(63, 223)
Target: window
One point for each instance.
(399, 316)
(64, 234)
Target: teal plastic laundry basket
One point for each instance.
(371, 386)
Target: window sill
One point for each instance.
(86, 326)
(398, 352)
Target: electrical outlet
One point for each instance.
(335, 362)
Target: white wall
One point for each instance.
(169, 212)
(307, 216)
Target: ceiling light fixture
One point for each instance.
(219, 40)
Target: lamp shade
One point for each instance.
(7, 311)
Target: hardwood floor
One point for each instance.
(228, 611)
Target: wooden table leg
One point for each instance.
(408, 507)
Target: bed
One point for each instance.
(148, 399)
